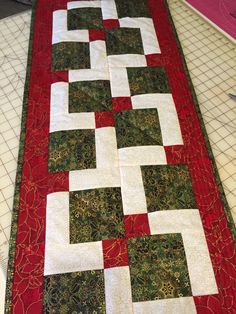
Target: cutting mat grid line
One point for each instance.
(210, 58)
(14, 34)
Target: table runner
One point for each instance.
(118, 205)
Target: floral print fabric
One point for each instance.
(168, 187)
(138, 128)
(70, 150)
(158, 267)
(75, 293)
(70, 55)
(90, 96)
(96, 215)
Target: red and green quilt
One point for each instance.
(118, 206)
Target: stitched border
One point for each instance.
(16, 204)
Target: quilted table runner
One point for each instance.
(118, 205)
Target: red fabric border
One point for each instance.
(36, 183)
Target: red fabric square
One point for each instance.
(136, 225)
(103, 119)
(59, 76)
(96, 34)
(111, 23)
(121, 103)
(154, 59)
(176, 154)
(115, 253)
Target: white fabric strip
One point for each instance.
(127, 60)
(57, 217)
(118, 290)
(169, 122)
(109, 10)
(60, 118)
(98, 54)
(73, 121)
(83, 4)
(166, 306)
(119, 82)
(76, 36)
(148, 34)
(70, 258)
(142, 155)
(94, 179)
(188, 223)
(88, 75)
(132, 190)
(106, 148)
(59, 21)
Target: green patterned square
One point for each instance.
(127, 8)
(168, 187)
(124, 41)
(84, 18)
(138, 127)
(147, 80)
(90, 96)
(71, 293)
(70, 56)
(96, 215)
(158, 267)
(72, 150)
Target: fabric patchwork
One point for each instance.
(124, 41)
(168, 187)
(72, 150)
(96, 215)
(158, 267)
(94, 241)
(90, 96)
(70, 56)
(78, 292)
(84, 18)
(147, 80)
(129, 9)
(138, 128)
